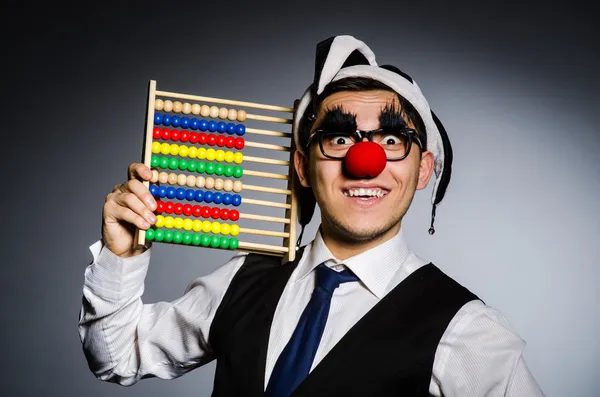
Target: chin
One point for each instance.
(363, 229)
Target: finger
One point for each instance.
(139, 171)
(121, 213)
(133, 202)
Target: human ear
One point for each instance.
(301, 165)
(425, 170)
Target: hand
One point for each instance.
(128, 206)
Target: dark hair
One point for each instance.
(361, 84)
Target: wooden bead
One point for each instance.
(200, 181)
(228, 185)
(177, 106)
(195, 109)
(214, 112)
(223, 112)
(163, 177)
(167, 106)
(191, 180)
(172, 178)
(209, 183)
(232, 114)
(187, 108)
(241, 115)
(204, 111)
(158, 104)
(154, 176)
(237, 186)
(181, 179)
(219, 184)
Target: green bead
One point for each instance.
(233, 243)
(201, 167)
(183, 164)
(173, 163)
(196, 239)
(215, 241)
(210, 168)
(154, 161)
(228, 170)
(205, 240)
(191, 166)
(150, 234)
(177, 237)
(219, 169)
(159, 235)
(238, 171)
(163, 162)
(168, 236)
(187, 238)
(224, 243)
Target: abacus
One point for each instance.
(197, 151)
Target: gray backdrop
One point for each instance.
(515, 85)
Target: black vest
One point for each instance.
(390, 351)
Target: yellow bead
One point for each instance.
(184, 151)
(158, 104)
(215, 228)
(206, 226)
(163, 177)
(187, 108)
(225, 229)
(160, 221)
(201, 153)
(169, 222)
(192, 152)
(187, 224)
(195, 109)
(209, 183)
(214, 112)
(178, 223)
(211, 154)
(174, 149)
(238, 158)
(200, 181)
(172, 178)
(219, 184)
(177, 106)
(190, 180)
(168, 106)
(165, 148)
(229, 156)
(154, 176)
(241, 116)
(220, 155)
(232, 114)
(204, 111)
(197, 226)
(223, 113)
(181, 179)
(228, 185)
(155, 147)
(237, 186)
(235, 230)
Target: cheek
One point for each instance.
(323, 175)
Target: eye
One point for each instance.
(391, 140)
(340, 140)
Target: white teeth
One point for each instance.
(364, 192)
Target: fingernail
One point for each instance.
(151, 218)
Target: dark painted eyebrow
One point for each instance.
(336, 119)
(391, 117)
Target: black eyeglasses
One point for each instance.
(395, 142)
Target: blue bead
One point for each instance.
(231, 128)
(153, 190)
(175, 121)
(158, 118)
(171, 192)
(221, 127)
(185, 122)
(212, 126)
(203, 125)
(237, 199)
(166, 120)
(240, 129)
(194, 124)
(227, 199)
(180, 194)
(199, 196)
(190, 194)
(208, 197)
(162, 191)
(218, 198)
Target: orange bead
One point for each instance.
(181, 179)
(177, 106)
(172, 179)
(237, 186)
(200, 181)
(204, 111)
(187, 108)
(168, 106)
(214, 112)
(209, 183)
(158, 104)
(223, 113)
(232, 114)
(191, 180)
(195, 109)
(228, 185)
(219, 184)
(163, 177)
(154, 176)
(241, 115)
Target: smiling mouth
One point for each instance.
(365, 193)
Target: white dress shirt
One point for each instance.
(125, 339)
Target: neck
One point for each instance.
(344, 247)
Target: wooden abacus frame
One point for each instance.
(287, 250)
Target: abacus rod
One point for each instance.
(264, 218)
(265, 174)
(265, 247)
(268, 118)
(267, 146)
(260, 232)
(265, 203)
(262, 160)
(259, 131)
(224, 101)
(264, 189)
(279, 254)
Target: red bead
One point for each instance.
(169, 207)
(365, 160)
(175, 134)
(202, 138)
(230, 142)
(234, 215)
(165, 133)
(178, 208)
(221, 141)
(193, 137)
(239, 143)
(215, 213)
(184, 136)
(187, 210)
(156, 133)
(197, 211)
(212, 139)
(224, 214)
(160, 207)
(205, 212)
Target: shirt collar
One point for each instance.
(375, 267)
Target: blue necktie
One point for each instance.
(297, 357)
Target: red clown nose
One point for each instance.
(365, 160)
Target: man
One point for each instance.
(357, 313)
